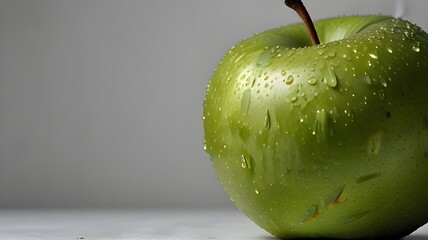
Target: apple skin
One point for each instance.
(325, 141)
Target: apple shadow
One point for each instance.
(266, 237)
(411, 237)
(416, 237)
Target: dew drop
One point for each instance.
(256, 191)
(321, 124)
(246, 99)
(375, 142)
(416, 48)
(368, 80)
(283, 72)
(253, 82)
(331, 54)
(267, 120)
(312, 213)
(246, 161)
(274, 49)
(244, 164)
(289, 80)
(264, 59)
(239, 58)
(373, 56)
(294, 99)
(383, 82)
(337, 197)
(367, 177)
(331, 78)
(355, 217)
(389, 50)
(312, 80)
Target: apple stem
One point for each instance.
(297, 5)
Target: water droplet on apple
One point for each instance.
(416, 48)
(283, 72)
(375, 142)
(294, 99)
(368, 80)
(312, 80)
(256, 191)
(337, 197)
(389, 50)
(289, 80)
(368, 177)
(264, 59)
(331, 54)
(274, 49)
(267, 120)
(331, 78)
(253, 82)
(246, 161)
(355, 217)
(239, 57)
(374, 56)
(383, 82)
(321, 124)
(312, 213)
(345, 56)
(246, 99)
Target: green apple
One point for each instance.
(324, 141)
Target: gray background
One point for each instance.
(101, 100)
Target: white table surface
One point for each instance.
(135, 224)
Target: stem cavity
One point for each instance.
(297, 5)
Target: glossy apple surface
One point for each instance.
(328, 140)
